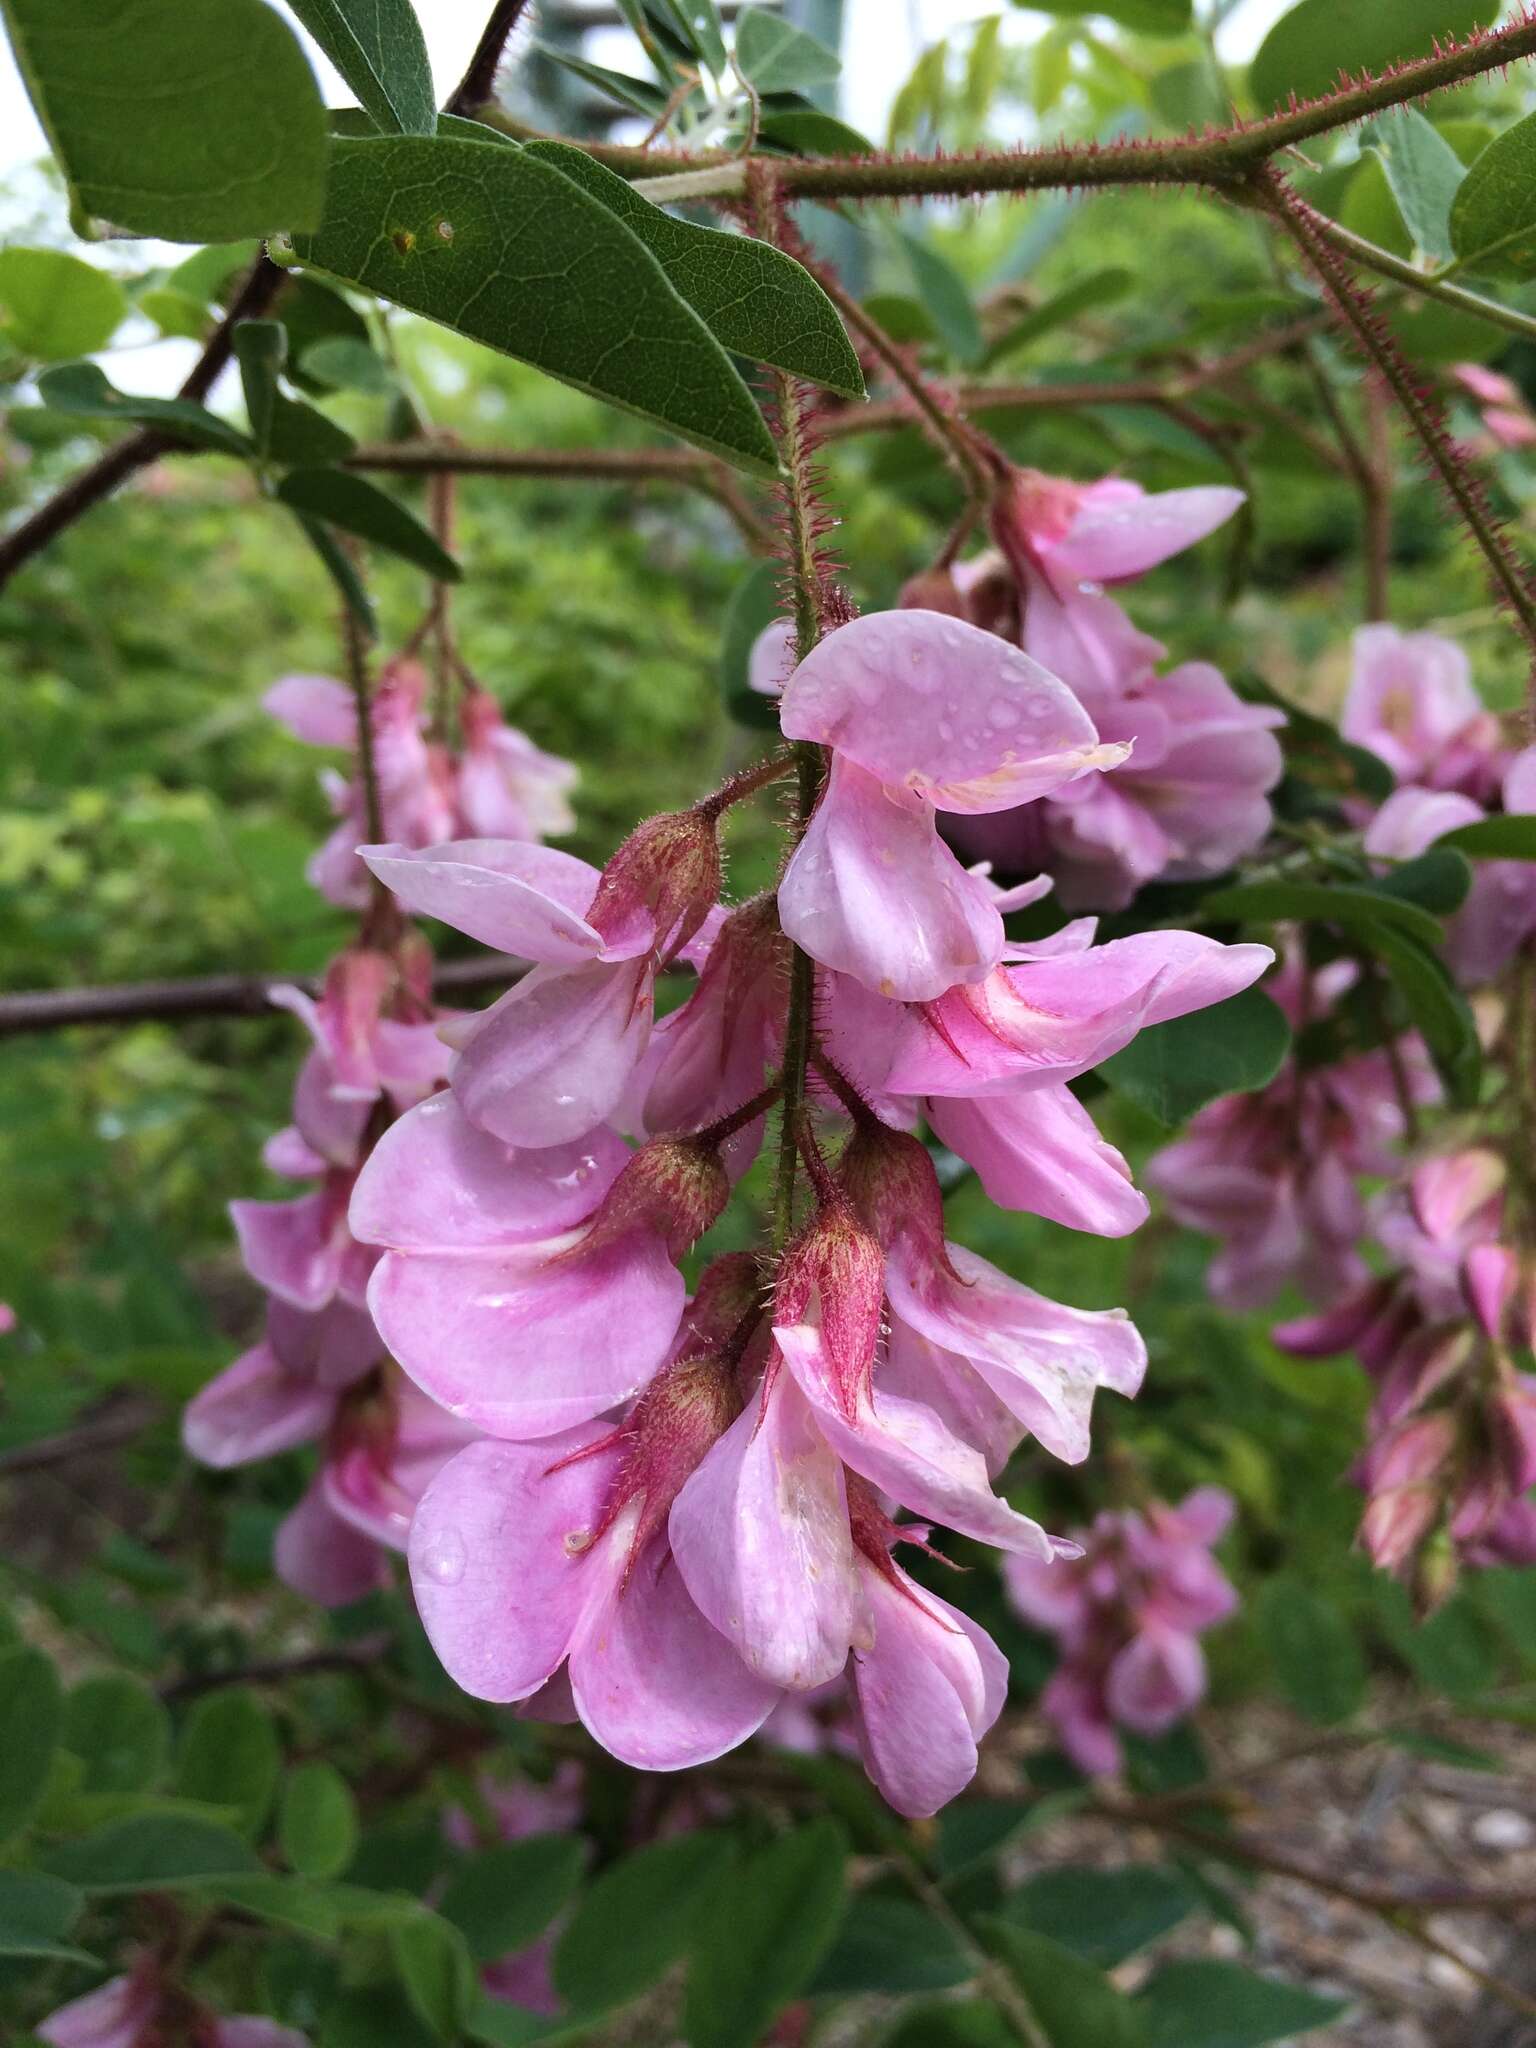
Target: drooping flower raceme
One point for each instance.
(1128, 1615)
(141, 2007)
(682, 1513)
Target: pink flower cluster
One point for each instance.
(679, 1513)
(142, 2007)
(1187, 793)
(1128, 1615)
(495, 782)
(1451, 1455)
(320, 1372)
(1501, 404)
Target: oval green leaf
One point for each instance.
(55, 305)
(31, 1711)
(1493, 219)
(1308, 50)
(236, 144)
(378, 48)
(508, 251)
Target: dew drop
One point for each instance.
(443, 1557)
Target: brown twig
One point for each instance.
(208, 995)
(119, 1424)
(358, 1655)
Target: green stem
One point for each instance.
(1401, 272)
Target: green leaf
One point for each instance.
(378, 48)
(119, 1731)
(504, 1896)
(507, 250)
(84, 389)
(151, 1852)
(342, 570)
(345, 364)
(35, 1913)
(1147, 17)
(1313, 1649)
(1439, 1012)
(56, 305)
(1509, 837)
(777, 57)
(437, 1970)
(204, 274)
(1173, 1069)
(772, 1920)
(753, 298)
(696, 23)
(286, 1902)
(1437, 881)
(1452, 1652)
(1307, 49)
(260, 347)
(1103, 1915)
(641, 95)
(1364, 911)
(1222, 2005)
(359, 507)
(177, 314)
(1096, 288)
(1075, 2005)
(967, 2023)
(639, 1916)
(1493, 220)
(370, 2017)
(236, 141)
(807, 131)
(891, 1945)
(317, 1820)
(945, 294)
(31, 1716)
(1424, 172)
(228, 1755)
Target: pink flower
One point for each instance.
(525, 1290)
(284, 1391)
(527, 1557)
(923, 713)
(554, 1057)
(1411, 701)
(1127, 1614)
(1505, 414)
(506, 787)
(374, 1027)
(129, 2011)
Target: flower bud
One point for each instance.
(668, 869)
(891, 1182)
(1448, 1192)
(833, 1273)
(681, 1415)
(1490, 1274)
(1397, 1523)
(729, 1288)
(675, 1187)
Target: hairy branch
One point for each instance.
(478, 85)
(1224, 158)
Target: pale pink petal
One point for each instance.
(554, 1057)
(656, 1685)
(508, 893)
(112, 2016)
(872, 891)
(375, 1485)
(1412, 819)
(501, 1560)
(295, 1249)
(435, 1180)
(928, 703)
(333, 1346)
(528, 1340)
(904, 1448)
(1041, 1152)
(760, 1534)
(1043, 1359)
(316, 709)
(928, 1689)
(1411, 693)
(254, 1409)
(772, 658)
(1110, 541)
(1155, 1680)
(330, 1125)
(320, 1556)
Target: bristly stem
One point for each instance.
(1418, 406)
(440, 498)
(772, 768)
(379, 914)
(807, 588)
(478, 85)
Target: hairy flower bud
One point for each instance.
(669, 869)
(729, 1289)
(675, 1187)
(833, 1274)
(890, 1180)
(681, 1415)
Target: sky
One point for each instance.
(882, 41)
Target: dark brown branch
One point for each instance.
(478, 85)
(117, 1424)
(367, 1650)
(120, 462)
(208, 995)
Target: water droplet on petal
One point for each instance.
(443, 1557)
